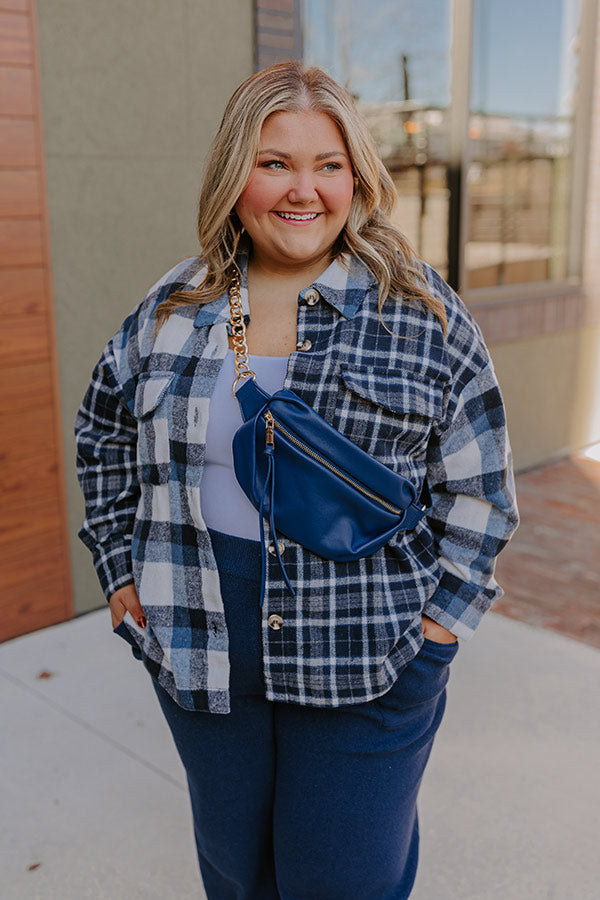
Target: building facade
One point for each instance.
(106, 113)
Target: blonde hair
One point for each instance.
(368, 233)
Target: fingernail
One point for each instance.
(142, 621)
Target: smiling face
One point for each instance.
(298, 197)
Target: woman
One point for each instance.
(304, 725)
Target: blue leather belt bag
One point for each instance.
(312, 484)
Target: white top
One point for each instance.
(224, 505)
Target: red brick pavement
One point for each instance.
(551, 568)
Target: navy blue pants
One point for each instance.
(302, 803)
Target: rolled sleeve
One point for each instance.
(474, 510)
(106, 436)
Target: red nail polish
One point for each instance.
(142, 621)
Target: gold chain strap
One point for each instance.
(238, 329)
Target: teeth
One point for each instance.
(300, 217)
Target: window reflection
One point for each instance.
(394, 57)
(521, 134)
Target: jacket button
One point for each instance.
(280, 547)
(303, 346)
(311, 297)
(275, 622)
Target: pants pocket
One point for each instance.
(442, 652)
(421, 682)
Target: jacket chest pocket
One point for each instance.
(390, 414)
(153, 402)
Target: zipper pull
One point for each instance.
(270, 425)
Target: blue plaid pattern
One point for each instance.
(422, 404)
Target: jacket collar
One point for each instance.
(343, 285)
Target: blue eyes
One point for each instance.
(278, 165)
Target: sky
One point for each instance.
(522, 51)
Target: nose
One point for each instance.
(302, 189)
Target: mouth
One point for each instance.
(297, 218)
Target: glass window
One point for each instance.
(521, 126)
(394, 56)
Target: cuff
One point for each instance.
(113, 566)
(458, 605)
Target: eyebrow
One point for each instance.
(272, 152)
(331, 153)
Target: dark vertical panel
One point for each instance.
(454, 183)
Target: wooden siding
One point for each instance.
(34, 564)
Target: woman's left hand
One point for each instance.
(434, 632)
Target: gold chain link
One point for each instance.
(238, 329)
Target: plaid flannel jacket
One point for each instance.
(424, 405)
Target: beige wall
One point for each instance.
(550, 387)
(587, 430)
(132, 93)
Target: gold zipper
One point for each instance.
(271, 423)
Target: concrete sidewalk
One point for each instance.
(94, 802)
